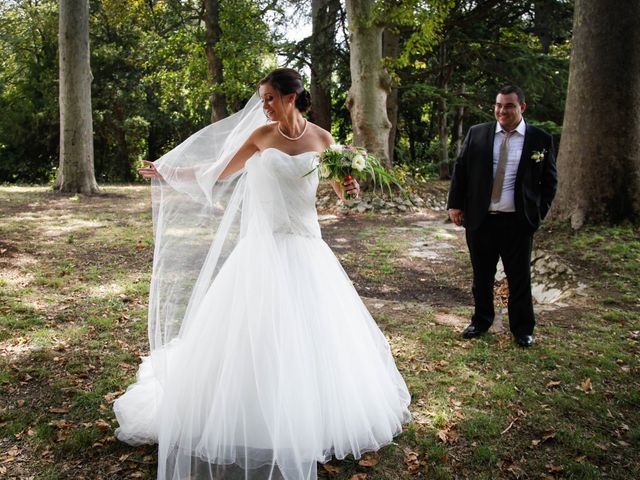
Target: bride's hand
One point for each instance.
(149, 171)
(352, 188)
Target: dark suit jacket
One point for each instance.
(472, 180)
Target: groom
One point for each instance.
(502, 188)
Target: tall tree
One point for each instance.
(599, 158)
(324, 16)
(76, 172)
(214, 62)
(370, 82)
(391, 50)
(443, 78)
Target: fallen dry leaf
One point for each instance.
(411, 460)
(516, 471)
(586, 386)
(369, 459)
(442, 363)
(332, 469)
(551, 468)
(102, 424)
(110, 397)
(359, 476)
(553, 384)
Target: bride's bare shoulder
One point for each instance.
(324, 136)
(264, 130)
(262, 135)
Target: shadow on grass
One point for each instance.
(73, 304)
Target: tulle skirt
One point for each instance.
(281, 367)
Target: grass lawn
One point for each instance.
(74, 277)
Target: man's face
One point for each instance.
(508, 110)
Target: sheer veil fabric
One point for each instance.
(264, 360)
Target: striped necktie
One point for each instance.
(498, 180)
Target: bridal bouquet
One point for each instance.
(342, 162)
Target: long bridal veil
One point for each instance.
(196, 219)
(196, 223)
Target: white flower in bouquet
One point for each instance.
(339, 162)
(324, 170)
(358, 162)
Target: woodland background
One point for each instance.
(156, 65)
(403, 79)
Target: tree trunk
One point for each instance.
(76, 172)
(444, 172)
(214, 62)
(412, 140)
(370, 83)
(460, 124)
(443, 133)
(599, 158)
(122, 161)
(324, 15)
(543, 16)
(391, 49)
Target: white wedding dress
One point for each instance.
(281, 365)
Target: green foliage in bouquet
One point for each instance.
(341, 161)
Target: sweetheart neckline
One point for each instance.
(288, 154)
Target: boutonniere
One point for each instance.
(538, 156)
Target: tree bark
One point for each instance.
(370, 83)
(76, 172)
(214, 62)
(599, 158)
(444, 172)
(459, 124)
(391, 49)
(324, 15)
(543, 16)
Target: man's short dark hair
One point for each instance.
(509, 89)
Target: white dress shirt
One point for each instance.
(507, 202)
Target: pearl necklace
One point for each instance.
(293, 139)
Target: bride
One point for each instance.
(264, 360)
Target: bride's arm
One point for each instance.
(239, 159)
(185, 174)
(246, 151)
(181, 174)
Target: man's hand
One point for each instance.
(456, 215)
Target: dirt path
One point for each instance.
(420, 260)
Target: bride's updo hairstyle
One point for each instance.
(287, 81)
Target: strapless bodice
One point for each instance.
(282, 195)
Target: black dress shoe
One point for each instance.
(473, 331)
(525, 340)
